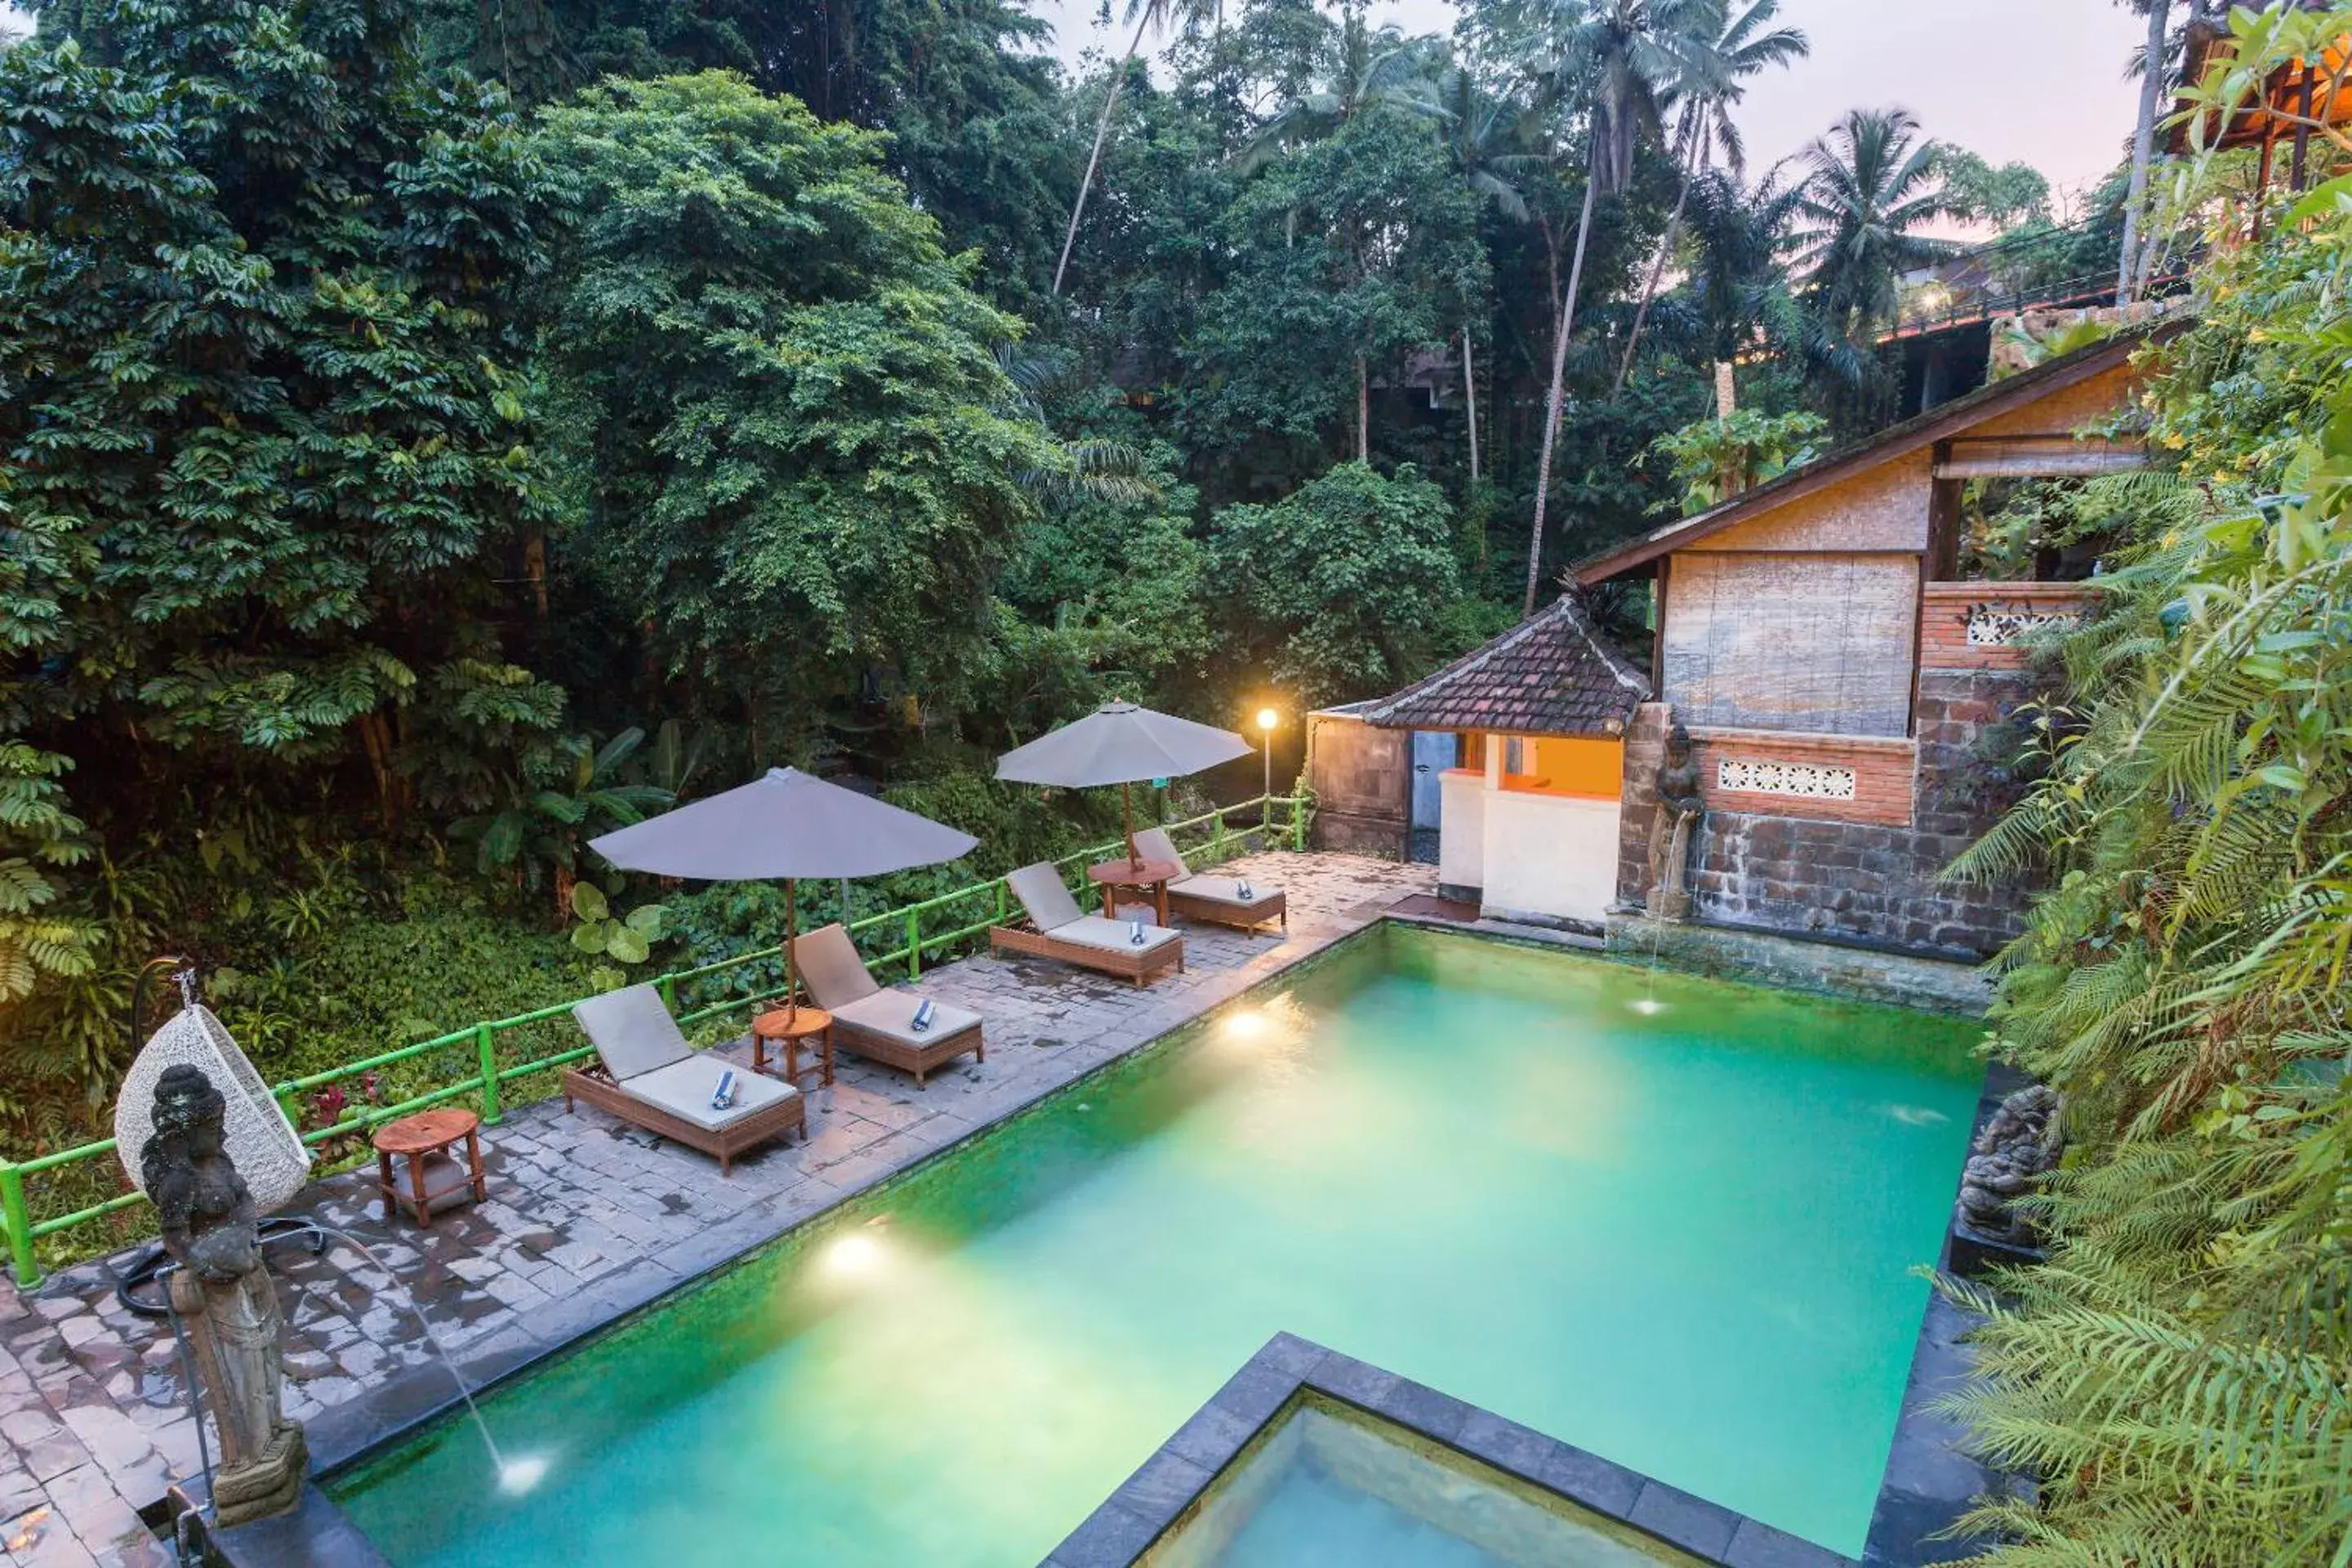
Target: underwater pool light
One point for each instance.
(1648, 1006)
(852, 1255)
(519, 1476)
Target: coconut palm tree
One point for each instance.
(1619, 61)
(1486, 136)
(1149, 16)
(1871, 186)
(2151, 83)
(1377, 69)
(1749, 47)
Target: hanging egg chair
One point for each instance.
(267, 1151)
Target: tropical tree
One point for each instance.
(1617, 62)
(1486, 135)
(1147, 16)
(2152, 74)
(785, 407)
(1348, 585)
(1716, 82)
(1871, 186)
(2176, 1374)
(1373, 70)
(265, 427)
(1359, 246)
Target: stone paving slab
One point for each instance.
(587, 1218)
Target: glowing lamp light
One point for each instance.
(1248, 1024)
(1267, 719)
(1649, 1007)
(517, 1477)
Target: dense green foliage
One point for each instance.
(2178, 1376)
(438, 433)
(1347, 582)
(780, 395)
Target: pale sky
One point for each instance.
(2039, 81)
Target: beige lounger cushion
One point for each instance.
(826, 962)
(892, 1012)
(683, 1088)
(1153, 844)
(1222, 890)
(1039, 888)
(633, 1031)
(1093, 930)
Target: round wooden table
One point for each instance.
(1150, 877)
(416, 1139)
(788, 1027)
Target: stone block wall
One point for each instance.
(1645, 750)
(1859, 870)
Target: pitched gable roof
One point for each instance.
(1550, 675)
(1938, 424)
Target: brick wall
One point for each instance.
(1882, 773)
(1948, 608)
(1789, 864)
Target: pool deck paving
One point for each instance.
(586, 1219)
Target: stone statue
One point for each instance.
(1671, 827)
(224, 1297)
(2019, 1145)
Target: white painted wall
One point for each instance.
(1461, 828)
(1554, 855)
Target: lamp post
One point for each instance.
(1267, 720)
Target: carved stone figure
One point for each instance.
(1671, 830)
(2019, 1145)
(222, 1295)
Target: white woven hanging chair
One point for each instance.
(269, 1152)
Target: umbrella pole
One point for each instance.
(792, 930)
(1127, 804)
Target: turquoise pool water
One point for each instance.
(1330, 1487)
(1671, 1220)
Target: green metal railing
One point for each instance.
(489, 1078)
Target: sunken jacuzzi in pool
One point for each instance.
(1671, 1221)
(1328, 1486)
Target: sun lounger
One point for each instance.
(1059, 929)
(1217, 899)
(877, 1024)
(646, 1075)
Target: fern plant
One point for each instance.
(2176, 1378)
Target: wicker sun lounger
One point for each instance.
(646, 1075)
(876, 1023)
(1059, 929)
(1216, 899)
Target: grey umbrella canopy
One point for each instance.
(1122, 744)
(784, 825)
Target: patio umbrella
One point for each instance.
(1121, 744)
(785, 824)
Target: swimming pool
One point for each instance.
(1670, 1220)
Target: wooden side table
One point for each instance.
(417, 1139)
(788, 1027)
(1150, 877)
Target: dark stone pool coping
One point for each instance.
(1929, 1481)
(1168, 1483)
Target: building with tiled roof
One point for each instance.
(1835, 669)
(1550, 675)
